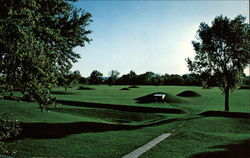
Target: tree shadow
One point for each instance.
(226, 114)
(43, 130)
(60, 130)
(85, 88)
(127, 108)
(62, 92)
(240, 150)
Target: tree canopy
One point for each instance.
(113, 76)
(37, 39)
(95, 77)
(222, 50)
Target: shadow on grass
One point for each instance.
(240, 150)
(60, 130)
(62, 92)
(124, 89)
(226, 114)
(85, 88)
(245, 87)
(122, 107)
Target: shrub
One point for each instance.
(8, 129)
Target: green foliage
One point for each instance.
(69, 78)
(96, 77)
(8, 129)
(113, 76)
(173, 79)
(129, 79)
(222, 50)
(37, 40)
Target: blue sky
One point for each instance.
(147, 35)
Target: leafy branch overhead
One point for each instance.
(37, 39)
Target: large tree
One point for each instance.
(37, 38)
(222, 50)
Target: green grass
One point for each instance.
(85, 131)
(207, 137)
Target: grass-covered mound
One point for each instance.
(150, 98)
(245, 87)
(84, 88)
(188, 93)
(226, 114)
(124, 89)
(133, 86)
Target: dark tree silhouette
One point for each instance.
(222, 50)
(96, 77)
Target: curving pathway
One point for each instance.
(139, 151)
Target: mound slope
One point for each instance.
(188, 93)
(152, 98)
(226, 114)
(84, 88)
(133, 86)
(245, 87)
(124, 89)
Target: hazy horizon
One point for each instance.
(147, 35)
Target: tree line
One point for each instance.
(147, 78)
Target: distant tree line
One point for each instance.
(147, 78)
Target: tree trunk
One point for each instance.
(227, 99)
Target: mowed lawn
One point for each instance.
(108, 122)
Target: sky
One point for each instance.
(147, 35)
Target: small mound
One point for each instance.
(226, 114)
(245, 87)
(62, 92)
(158, 97)
(12, 98)
(133, 86)
(84, 88)
(188, 93)
(124, 89)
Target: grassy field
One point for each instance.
(108, 122)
